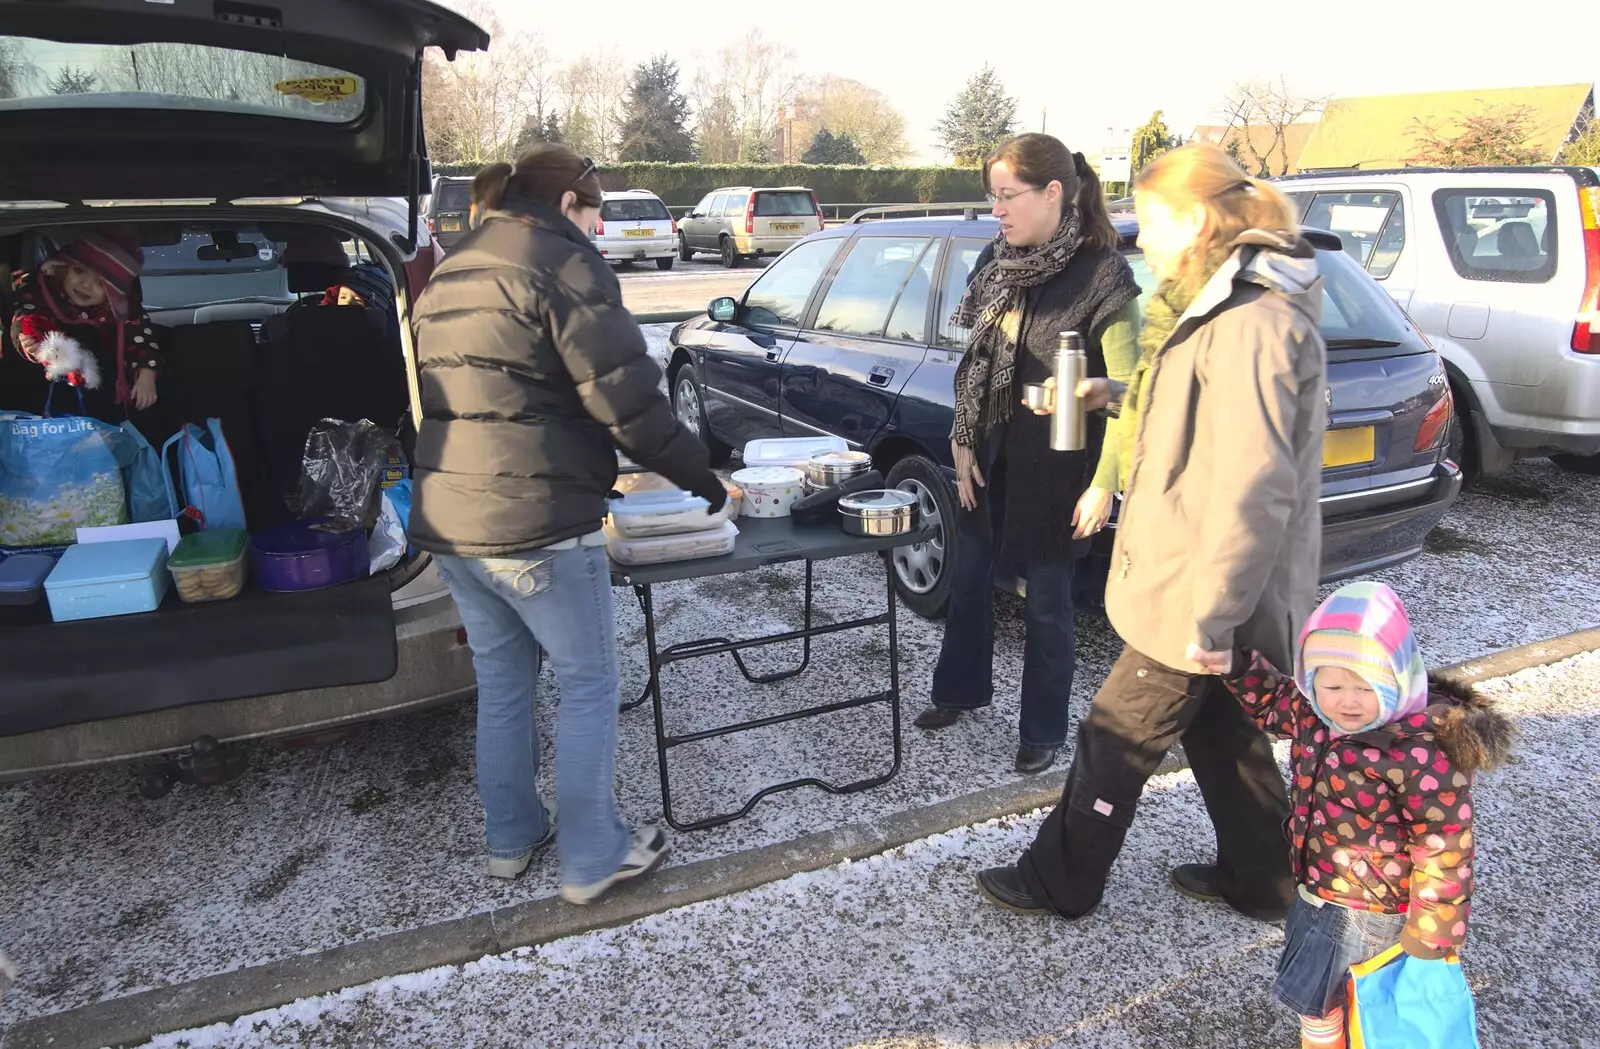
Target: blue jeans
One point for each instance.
(964, 677)
(561, 601)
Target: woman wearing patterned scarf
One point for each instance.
(1054, 267)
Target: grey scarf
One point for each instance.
(990, 364)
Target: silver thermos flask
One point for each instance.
(1069, 425)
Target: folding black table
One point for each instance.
(762, 543)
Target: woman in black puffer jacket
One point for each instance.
(532, 377)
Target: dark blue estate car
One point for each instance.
(848, 333)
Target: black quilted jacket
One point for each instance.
(532, 376)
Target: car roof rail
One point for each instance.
(969, 211)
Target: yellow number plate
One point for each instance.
(786, 227)
(1348, 447)
(638, 233)
(449, 225)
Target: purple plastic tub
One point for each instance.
(309, 555)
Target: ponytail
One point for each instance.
(1039, 159)
(489, 190)
(1098, 232)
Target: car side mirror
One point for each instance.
(723, 310)
(694, 215)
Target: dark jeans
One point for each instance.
(1141, 710)
(964, 677)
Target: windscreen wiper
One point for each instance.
(1362, 344)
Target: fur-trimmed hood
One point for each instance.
(1469, 728)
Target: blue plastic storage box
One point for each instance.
(97, 580)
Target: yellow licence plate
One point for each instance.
(786, 227)
(1348, 447)
(449, 225)
(638, 233)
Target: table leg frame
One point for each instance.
(659, 658)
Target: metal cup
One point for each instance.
(1037, 397)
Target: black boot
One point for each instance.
(1035, 759)
(937, 717)
(1198, 880)
(1004, 886)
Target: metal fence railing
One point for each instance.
(839, 214)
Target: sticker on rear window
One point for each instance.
(319, 89)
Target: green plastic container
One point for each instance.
(210, 566)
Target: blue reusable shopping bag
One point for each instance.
(56, 476)
(1397, 1001)
(210, 483)
(142, 474)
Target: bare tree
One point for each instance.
(1262, 111)
(17, 68)
(739, 95)
(477, 107)
(850, 108)
(591, 91)
(716, 127)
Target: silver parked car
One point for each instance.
(226, 176)
(741, 222)
(1500, 268)
(636, 226)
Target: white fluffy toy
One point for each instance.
(64, 358)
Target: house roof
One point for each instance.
(1262, 140)
(1376, 132)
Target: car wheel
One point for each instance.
(922, 570)
(1458, 444)
(1578, 464)
(665, 264)
(730, 257)
(690, 409)
(685, 253)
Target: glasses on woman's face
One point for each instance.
(1008, 197)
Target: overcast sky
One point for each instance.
(1100, 68)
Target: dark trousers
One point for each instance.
(964, 676)
(1141, 710)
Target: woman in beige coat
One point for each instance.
(1219, 542)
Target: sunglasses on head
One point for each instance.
(588, 169)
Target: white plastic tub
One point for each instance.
(790, 451)
(665, 511)
(689, 546)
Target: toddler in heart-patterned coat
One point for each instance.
(1381, 828)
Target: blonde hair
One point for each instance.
(1202, 174)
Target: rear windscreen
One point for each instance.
(453, 196)
(634, 209)
(44, 74)
(1354, 306)
(772, 205)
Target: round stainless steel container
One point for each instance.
(886, 511)
(826, 469)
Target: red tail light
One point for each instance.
(599, 227)
(432, 231)
(1586, 331)
(1435, 424)
(750, 214)
(821, 221)
(674, 227)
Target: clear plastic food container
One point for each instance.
(663, 512)
(686, 547)
(210, 566)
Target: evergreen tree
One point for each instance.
(655, 125)
(1150, 141)
(827, 148)
(978, 121)
(70, 80)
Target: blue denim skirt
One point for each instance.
(1319, 946)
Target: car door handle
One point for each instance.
(880, 376)
(773, 355)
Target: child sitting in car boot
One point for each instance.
(77, 318)
(1382, 822)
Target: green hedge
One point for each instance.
(685, 184)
